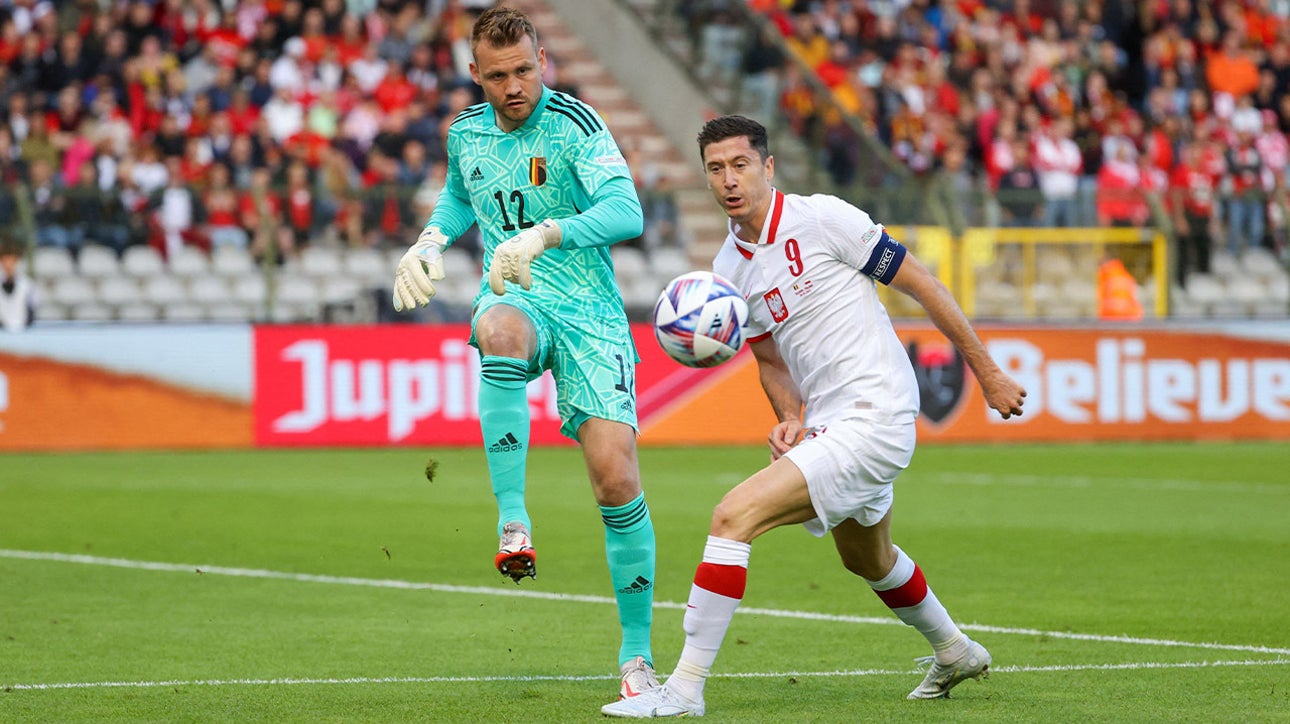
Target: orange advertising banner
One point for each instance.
(1082, 384)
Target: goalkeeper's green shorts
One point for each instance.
(590, 354)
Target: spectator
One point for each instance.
(1193, 191)
(1020, 198)
(1245, 212)
(96, 217)
(300, 218)
(18, 297)
(50, 213)
(1119, 194)
(175, 214)
(1058, 162)
(220, 207)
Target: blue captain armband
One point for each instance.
(885, 260)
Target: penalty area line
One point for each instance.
(583, 598)
(304, 681)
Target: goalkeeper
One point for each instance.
(551, 192)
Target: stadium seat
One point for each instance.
(138, 312)
(188, 262)
(183, 312)
(250, 289)
(209, 289)
(91, 312)
(48, 311)
(232, 261)
(456, 263)
(72, 290)
(97, 261)
(1223, 265)
(338, 290)
(142, 261)
(321, 262)
(1205, 290)
(229, 311)
(628, 260)
(164, 290)
(1261, 264)
(670, 262)
(296, 290)
(367, 267)
(118, 291)
(51, 261)
(1053, 265)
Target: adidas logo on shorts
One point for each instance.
(506, 444)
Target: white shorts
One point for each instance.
(849, 466)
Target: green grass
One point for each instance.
(1136, 545)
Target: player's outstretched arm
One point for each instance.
(1002, 393)
(784, 396)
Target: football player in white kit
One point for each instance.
(843, 389)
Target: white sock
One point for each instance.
(717, 591)
(906, 592)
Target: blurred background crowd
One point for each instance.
(274, 125)
(1069, 112)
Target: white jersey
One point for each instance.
(810, 284)
(15, 306)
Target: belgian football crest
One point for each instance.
(537, 170)
(939, 371)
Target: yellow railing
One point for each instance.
(961, 263)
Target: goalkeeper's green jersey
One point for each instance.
(562, 164)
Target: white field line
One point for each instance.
(582, 598)
(288, 681)
(1086, 481)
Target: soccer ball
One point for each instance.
(699, 319)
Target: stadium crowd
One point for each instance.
(192, 122)
(1070, 112)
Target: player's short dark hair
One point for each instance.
(502, 27)
(723, 127)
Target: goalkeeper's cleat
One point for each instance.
(975, 664)
(638, 678)
(654, 703)
(515, 555)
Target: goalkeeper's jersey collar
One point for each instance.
(532, 122)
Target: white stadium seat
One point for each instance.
(189, 261)
(118, 291)
(183, 312)
(51, 261)
(164, 289)
(138, 312)
(97, 261)
(72, 290)
(142, 261)
(250, 289)
(209, 290)
(368, 267)
(232, 261)
(91, 312)
(321, 262)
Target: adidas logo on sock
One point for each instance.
(506, 444)
(640, 585)
(476, 175)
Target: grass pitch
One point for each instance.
(1111, 583)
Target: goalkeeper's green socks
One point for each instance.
(504, 421)
(629, 547)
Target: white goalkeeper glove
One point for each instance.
(419, 269)
(513, 258)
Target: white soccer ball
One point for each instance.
(699, 319)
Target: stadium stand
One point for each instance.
(164, 157)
